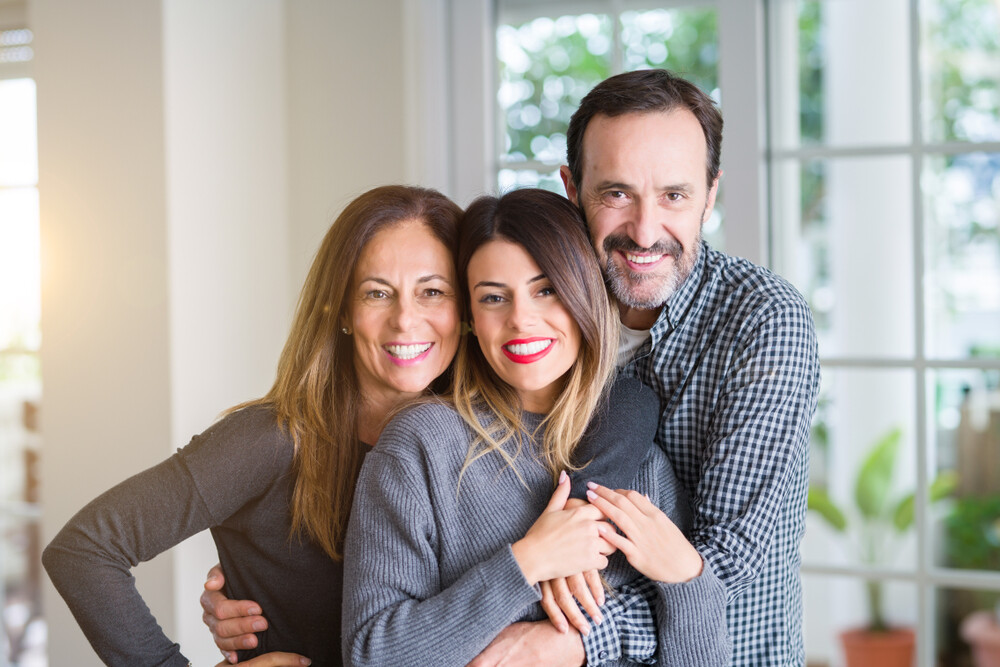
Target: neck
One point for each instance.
(637, 318)
(374, 410)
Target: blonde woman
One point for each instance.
(453, 528)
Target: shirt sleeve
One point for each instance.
(90, 559)
(395, 611)
(617, 439)
(757, 444)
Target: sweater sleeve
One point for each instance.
(618, 438)
(90, 559)
(395, 609)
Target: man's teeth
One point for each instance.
(642, 259)
(407, 351)
(524, 349)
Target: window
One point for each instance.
(885, 165)
(22, 628)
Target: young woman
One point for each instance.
(453, 529)
(377, 322)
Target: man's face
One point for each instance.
(644, 195)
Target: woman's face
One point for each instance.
(403, 312)
(526, 334)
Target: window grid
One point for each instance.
(929, 579)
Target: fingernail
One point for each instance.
(258, 626)
(249, 642)
(598, 619)
(253, 611)
(591, 494)
(305, 661)
(562, 628)
(563, 476)
(591, 485)
(212, 579)
(600, 598)
(585, 632)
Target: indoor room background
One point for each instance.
(167, 169)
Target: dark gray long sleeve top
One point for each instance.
(429, 574)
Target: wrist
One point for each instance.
(522, 555)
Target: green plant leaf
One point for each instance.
(819, 501)
(902, 518)
(942, 487)
(875, 476)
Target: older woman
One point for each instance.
(453, 528)
(377, 322)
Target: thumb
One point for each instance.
(560, 495)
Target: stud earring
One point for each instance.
(346, 331)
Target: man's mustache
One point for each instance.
(623, 243)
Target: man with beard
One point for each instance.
(728, 346)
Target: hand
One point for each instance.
(232, 622)
(530, 644)
(560, 595)
(562, 541)
(651, 542)
(273, 659)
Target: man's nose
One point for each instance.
(646, 229)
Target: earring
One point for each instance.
(346, 331)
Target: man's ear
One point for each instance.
(567, 179)
(710, 200)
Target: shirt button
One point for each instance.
(603, 655)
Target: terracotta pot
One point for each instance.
(893, 648)
(982, 631)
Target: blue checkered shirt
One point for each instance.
(733, 358)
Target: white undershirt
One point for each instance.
(630, 340)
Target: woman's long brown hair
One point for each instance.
(315, 395)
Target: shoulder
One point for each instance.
(427, 426)
(248, 434)
(628, 393)
(753, 293)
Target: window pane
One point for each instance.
(834, 605)
(546, 67)
(512, 179)
(842, 72)
(962, 280)
(961, 50)
(967, 626)
(965, 428)
(685, 41)
(845, 238)
(863, 414)
(18, 133)
(20, 274)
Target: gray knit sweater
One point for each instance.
(429, 576)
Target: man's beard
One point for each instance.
(623, 282)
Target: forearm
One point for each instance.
(384, 623)
(691, 621)
(89, 562)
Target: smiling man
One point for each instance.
(728, 346)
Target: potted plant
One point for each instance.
(882, 517)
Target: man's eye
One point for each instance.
(616, 198)
(674, 196)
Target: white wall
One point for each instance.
(192, 154)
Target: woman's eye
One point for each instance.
(490, 298)
(547, 291)
(376, 294)
(431, 291)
